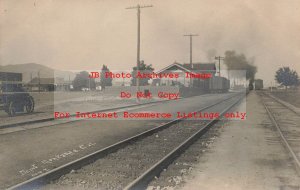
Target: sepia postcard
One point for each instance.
(150, 94)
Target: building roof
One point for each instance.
(209, 67)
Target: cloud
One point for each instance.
(79, 34)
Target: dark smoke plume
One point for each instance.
(235, 61)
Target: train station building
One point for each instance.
(183, 70)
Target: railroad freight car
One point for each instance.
(258, 83)
(218, 84)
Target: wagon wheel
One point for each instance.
(11, 108)
(29, 106)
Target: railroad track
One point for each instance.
(50, 121)
(287, 123)
(60, 121)
(133, 162)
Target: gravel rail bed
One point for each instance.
(288, 122)
(118, 169)
(176, 174)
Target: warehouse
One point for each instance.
(9, 76)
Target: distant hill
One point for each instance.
(31, 70)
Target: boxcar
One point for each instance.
(219, 84)
(258, 83)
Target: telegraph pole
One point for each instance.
(219, 58)
(39, 81)
(191, 47)
(138, 8)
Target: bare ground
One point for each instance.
(248, 155)
(290, 96)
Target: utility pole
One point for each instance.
(219, 58)
(138, 8)
(69, 86)
(39, 81)
(191, 47)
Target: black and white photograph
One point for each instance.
(150, 94)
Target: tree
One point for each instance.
(143, 69)
(287, 77)
(82, 80)
(105, 81)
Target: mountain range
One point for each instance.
(32, 70)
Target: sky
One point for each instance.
(85, 34)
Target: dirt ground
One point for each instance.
(248, 155)
(290, 96)
(41, 149)
(46, 103)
